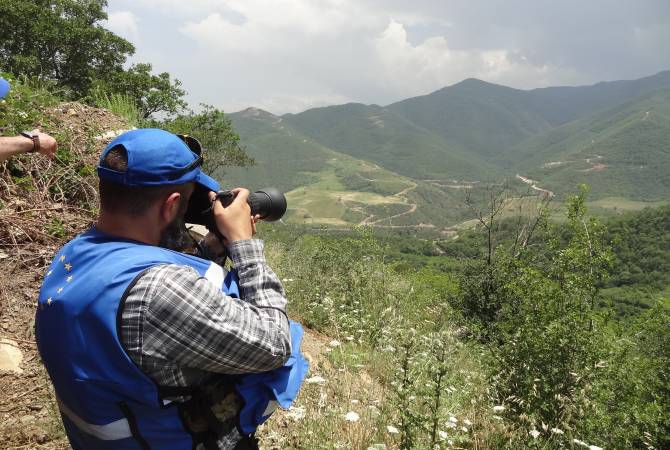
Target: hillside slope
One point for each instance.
(623, 152)
(613, 136)
(381, 136)
(491, 120)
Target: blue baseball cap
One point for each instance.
(4, 87)
(156, 158)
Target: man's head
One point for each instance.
(147, 178)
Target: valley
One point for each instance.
(412, 163)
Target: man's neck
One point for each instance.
(126, 227)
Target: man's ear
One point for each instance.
(170, 207)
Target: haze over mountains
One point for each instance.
(409, 163)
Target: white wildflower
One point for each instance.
(534, 433)
(498, 408)
(349, 338)
(296, 413)
(452, 419)
(467, 423)
(580, 443)
(450, 442)
(352, 417)
(464, 429)
(557, 431)
(450, 425)
(442, 435)
(594, 447)
(334, 343)
(392, 430)
(315, 380)
(354, 402)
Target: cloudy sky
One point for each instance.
(290, 55)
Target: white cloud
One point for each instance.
(433, 64)
(287, 55)
(123, 23)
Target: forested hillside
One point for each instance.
(612, 136)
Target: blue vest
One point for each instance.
(106, 401)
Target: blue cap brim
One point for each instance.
(207, 182)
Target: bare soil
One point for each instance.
(43, 203)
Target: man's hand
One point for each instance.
(234, 221)
(48, 144)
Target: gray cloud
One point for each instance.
(288, 55)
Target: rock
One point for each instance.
(315, 380)
(27, 420)
(296, 413)
(10, 356)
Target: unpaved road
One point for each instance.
(533, 185)
(403, 199)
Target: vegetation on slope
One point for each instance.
(621, 152)
(378, 135)
(506, 352)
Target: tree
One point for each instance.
(215, 132)
(60, 40)
(150, 93)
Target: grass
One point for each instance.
(620, 204)
(121, 105)
(329, 199)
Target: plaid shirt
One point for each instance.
(181, 330)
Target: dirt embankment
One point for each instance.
(42, 204)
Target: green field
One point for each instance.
(330, 199)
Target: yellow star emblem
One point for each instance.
(68, 267)
(62, 258)
(49, 300)
(59, 290)
(69, 278)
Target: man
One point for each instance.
(28, 141)
(145, 345)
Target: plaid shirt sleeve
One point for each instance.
(189, 321)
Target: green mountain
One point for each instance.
(485, 118)
(411, 163)
(284, 158)
(492, 120)
(378, 135)
(621, 152)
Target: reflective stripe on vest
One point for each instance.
(119, 429)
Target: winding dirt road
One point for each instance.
(403, 199)
(533, 185)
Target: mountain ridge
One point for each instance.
(463, 136)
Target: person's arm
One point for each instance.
(184, 320)
(190, 322)
(10, 146)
